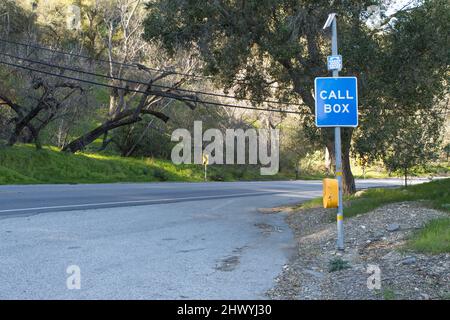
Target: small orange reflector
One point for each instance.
(330, 193)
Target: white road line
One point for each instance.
(138, 201)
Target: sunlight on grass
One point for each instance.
(435, 193)
(433, 238)
(22, 164)
(310, 204)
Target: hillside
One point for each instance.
(22, 164)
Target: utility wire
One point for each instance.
(140, 82)
(161, 93)
(130, 65)
(156, 93)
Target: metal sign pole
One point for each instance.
(337, 147)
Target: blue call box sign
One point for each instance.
(336, 102)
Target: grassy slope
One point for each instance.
(434, 237)
(22, 164)
(436, 193)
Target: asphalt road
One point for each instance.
(147, 241)
(32, 199)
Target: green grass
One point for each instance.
(433, 238)
(338, 264)
(386, 294)
(389, 294)
(435, 193)
(310, 204)
(22, 164)
(373, 172)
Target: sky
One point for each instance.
(395, 5)
(398, 4)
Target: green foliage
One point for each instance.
(435, 193)
(160, 174)
(22, 164)
(415, 142)
(18, 19)
(310, 204)
(402, 68)
(447, 150)
(245, 46)
(217, 177)
(388, 294)
(417, 56)
(408, 82)
(338, 264)
(144, 139)
(433, 238)
(263, 40)
(297, 151)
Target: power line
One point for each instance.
(130, 65)
(140, 82)
(161, 93)
(150, 92)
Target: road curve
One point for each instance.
(32, 199)
(147, 241)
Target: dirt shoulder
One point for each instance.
(375, 238)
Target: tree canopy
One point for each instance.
(277, 47)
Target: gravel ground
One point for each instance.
(374, 238)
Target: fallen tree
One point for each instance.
(147, 106)
(39, 110)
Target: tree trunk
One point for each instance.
(37, 142)
(406, 177)
(347, 175)
(83, 141)
(124, 118)
(24, 122)
(17, 131)
(348, 180)
(32, 138)
(105, 141)
(332, 157)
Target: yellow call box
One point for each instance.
(330, 193)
